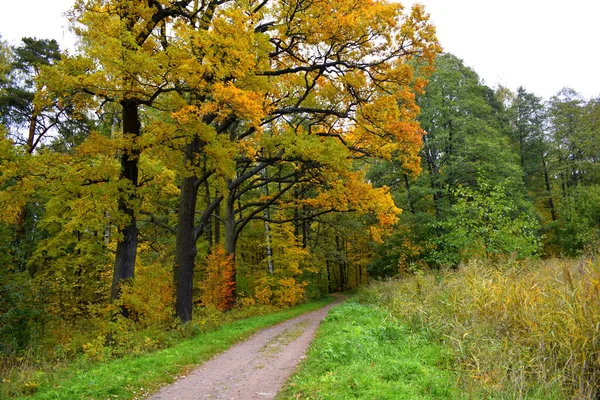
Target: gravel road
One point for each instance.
(255, 369)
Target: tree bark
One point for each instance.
(268, 229)
(341, 263)
(218, 222)
(127, 245)
(328, 266)
(32, 129)
(185, 244)
(231, 235)
(411, 204)
(548, 189)
(209, 230)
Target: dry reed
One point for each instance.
(519, 329)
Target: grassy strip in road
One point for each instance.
(136, 377)
(361, 352)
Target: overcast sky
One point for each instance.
(543, 45)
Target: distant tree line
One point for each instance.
(503, 174)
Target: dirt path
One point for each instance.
(254, 369)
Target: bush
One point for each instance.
(22, 312)
(218, 282)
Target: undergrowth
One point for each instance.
(520, 329)
(361, 352)
(152, 357)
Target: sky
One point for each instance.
(542, 45)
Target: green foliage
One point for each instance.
(409, 249)
(573, 127)
(465, 126)
(363, 352)
(4, 63)
(527, 119)
(23, 312)
(486, 223)
(29, 122)
(580, 221)
(469, 200)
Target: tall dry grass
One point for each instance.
(519, 329)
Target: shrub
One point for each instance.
(148, 299)
(279, 291)
(218, 282)
(22, 312)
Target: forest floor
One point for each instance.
(255, 369)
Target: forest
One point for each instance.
(197, 161)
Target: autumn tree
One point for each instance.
(29, 123)
(123, 59)
(239, 90)
(334, 72)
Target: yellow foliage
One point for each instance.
(246, 105)
(245, 301)
(285, 288)
(220, 79)
(16, 180)
(263, 292)
(288, 292)
(353, 193)
(279, 291)
(148, 299)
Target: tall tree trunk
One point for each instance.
(360, 274)
(433, 173)
(328, 266)
(185, 245)
(346, 266)
(548, 189)
(341, 262)
(563, 179)
(231, 235)
(411, 204)
(127, 245)
(268, 229)
(305, 233)
(32, 129)
(217, 221)
(209, 230)
(268, 243)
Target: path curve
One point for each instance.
(254, 369)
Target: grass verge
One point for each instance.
(136, 377)
(361, 352)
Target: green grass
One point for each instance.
(361, 352)
(136, 377)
